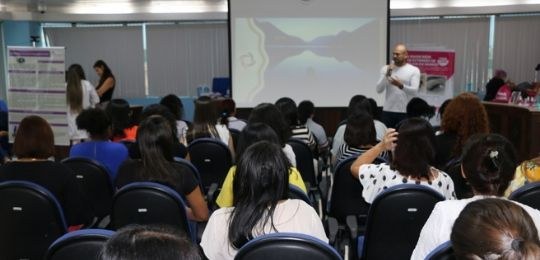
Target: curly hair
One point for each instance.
(464, 116)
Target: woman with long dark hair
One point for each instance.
(260, 206)
(155, 140)
(252, 133)
(413, 155)
(107, 82)
(80, 94)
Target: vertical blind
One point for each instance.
(184, 56)
(516, 47)
(120, 47)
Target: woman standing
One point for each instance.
(107, 82)
(80, 94)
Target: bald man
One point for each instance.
(401, 81)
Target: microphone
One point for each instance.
(389, 71)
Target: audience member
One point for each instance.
(269, 114)
(155, 142)
(33, 145)
(205, 123)
(358, 104)
(80, 94)
(123, 126)
(99, 148)
(228, 115)
(289, 110)
(495, 229)
(359, 137)
(493, 85)
(413, 154)
(149, 243)
(107, 82)
(463, 117)
(251, 134)
(175, 106)
(527, 172)
(488, 165)
(260, 205)
(306, 112)
(418, 107)
(178, 148)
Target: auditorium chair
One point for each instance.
(442, 252)
(529, 195)
(82, 244)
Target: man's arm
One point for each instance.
(412, 89)
(381, 84)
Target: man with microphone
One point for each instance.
(401, 81)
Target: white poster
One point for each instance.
(36, 86)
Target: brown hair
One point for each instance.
(464, 116)
(34, 139)
(495, 229)
(74, 92)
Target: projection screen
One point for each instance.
(320, 50)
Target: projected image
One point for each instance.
(277, 55)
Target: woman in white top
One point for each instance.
(80, 94)
(175, 106)
(412, 154)
(488, 165)
(205, 123)
(260, 205)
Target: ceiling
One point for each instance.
(148, 10)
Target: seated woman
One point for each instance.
(260, 205)
(495, 229)
(269, 114)
(34, 144)
(123, 127)
(412, 155)
(251, 134)
(179, 150)
(527, 172)
(99, 148)
(206, 123)
(155, 141)
(359, 137)
(175, 106)
(488, 165)
(289, 110)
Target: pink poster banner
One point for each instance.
(439, 63)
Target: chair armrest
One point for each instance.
(352, 225)
(333, 228)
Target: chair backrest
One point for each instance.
(304, 160)
(235, 133)
(346, 195)
(395, 220)
(285, 246)
(297, 193)
(212, 158)
(528, 195)
(82, 244)
(443, 252)
(30, 220)
(461, 186)
(94, 181)
(149, 203)
(190, 168)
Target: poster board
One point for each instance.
(36, 86)
(437, 74)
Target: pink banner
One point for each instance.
(440, 63)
